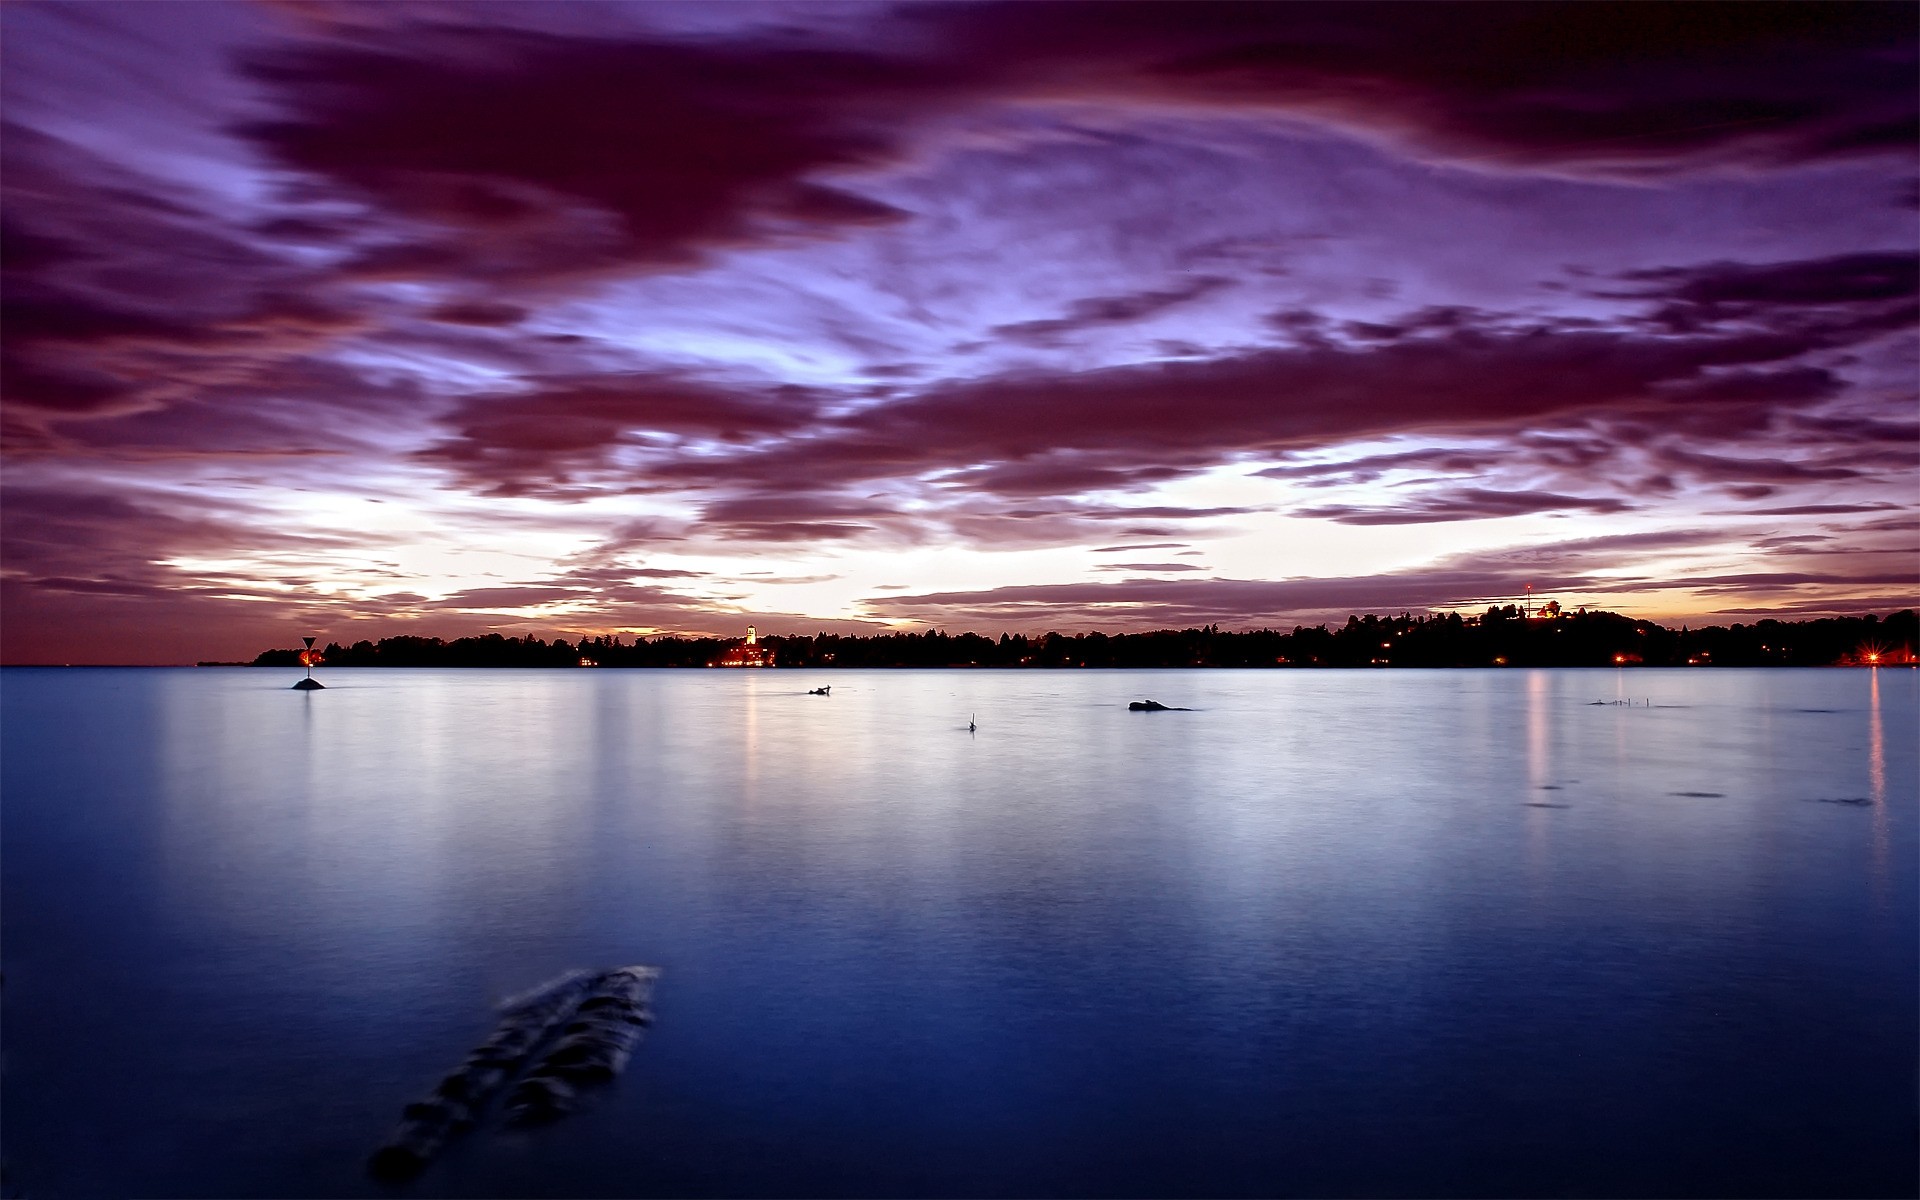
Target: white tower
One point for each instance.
(751, 638)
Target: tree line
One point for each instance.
(1503, 636)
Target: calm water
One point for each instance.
(1332, 933)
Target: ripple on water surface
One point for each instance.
(1327, 933)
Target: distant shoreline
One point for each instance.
(1504, 636)
(1836, 666)
(32, 666)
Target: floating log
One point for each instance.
(528, 1022)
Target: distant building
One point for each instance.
(749, 653)
(1873, 654)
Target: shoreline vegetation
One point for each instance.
(1502, 637)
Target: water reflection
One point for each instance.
(1233, 950)
(1877, 778)
(1877, 755)
(1539, 766)
(1539, 774)
(750, 730)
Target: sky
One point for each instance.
(362, 320)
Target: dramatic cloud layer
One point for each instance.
(554, 318)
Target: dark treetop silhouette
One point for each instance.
(1500, 637)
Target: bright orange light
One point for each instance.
(1873, 658)
(1619, 658)
(311, 658)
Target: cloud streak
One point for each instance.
(485, 319)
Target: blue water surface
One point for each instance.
(1329, 933)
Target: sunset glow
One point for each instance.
(377, 320)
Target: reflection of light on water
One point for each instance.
(1619, 725)
(1539, 770)
(1877, 755)
(1877, 776)
(752, 749)
(1537, 758)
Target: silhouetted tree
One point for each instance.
(1503, 636)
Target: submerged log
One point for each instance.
(592, 1049)
(528, 1021)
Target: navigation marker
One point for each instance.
(307, 659)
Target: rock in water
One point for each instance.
(539, 1099)
(308, 685)
(403, 1157)
(592, 1049)
(527, 1022)
(546, 991)
(1147, 706)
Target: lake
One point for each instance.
(1329, 933)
